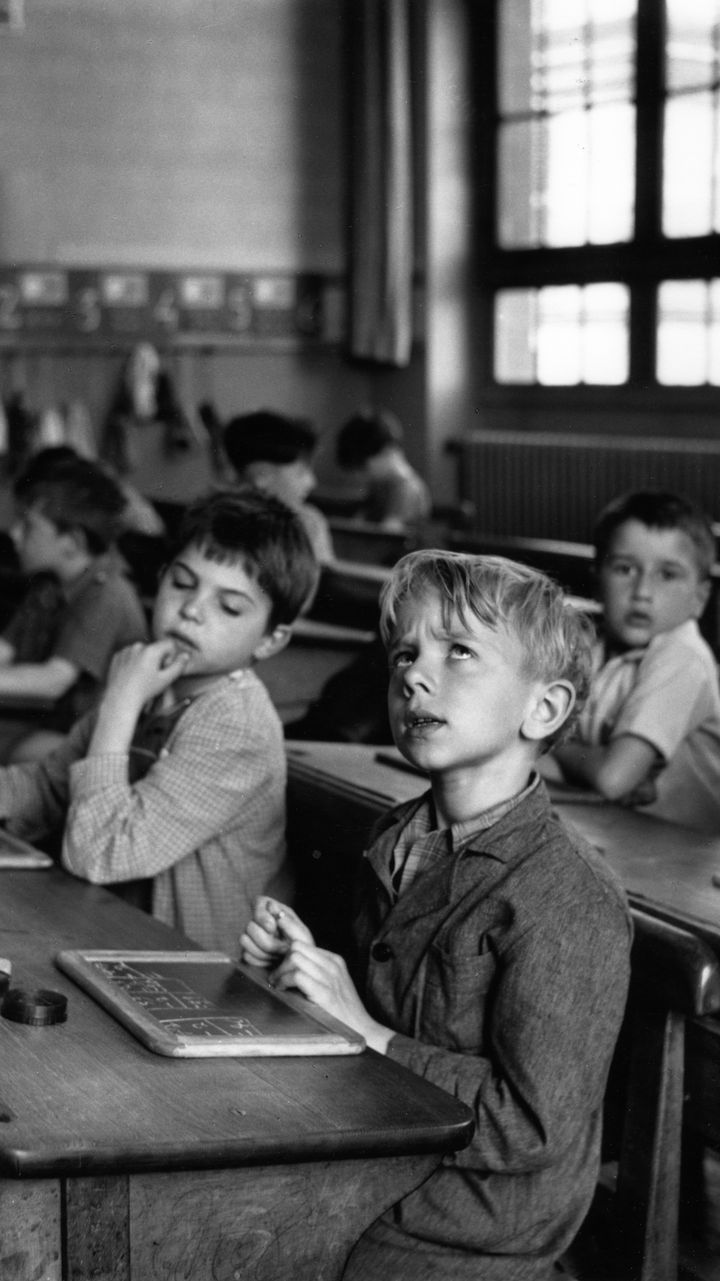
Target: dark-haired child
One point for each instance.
(492, 944)
(371, 443)
(80, 608)
(275, 453)
(649, 734)
(179, 775)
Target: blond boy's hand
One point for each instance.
(323, 978)
(273, 928)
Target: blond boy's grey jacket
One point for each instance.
(504, 968)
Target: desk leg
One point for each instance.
(30, 1230)
(648, 1187)
(265, 1223)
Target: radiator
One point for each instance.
(551, 485)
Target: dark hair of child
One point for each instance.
(73, 493)
(267, 536)
(365, 435)
(657, 510)
(265, 436)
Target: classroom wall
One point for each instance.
(164, 134)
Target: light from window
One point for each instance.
(691, 144)
(688, 349)
(562, 335)
(567, 132)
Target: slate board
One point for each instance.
(205, 1004)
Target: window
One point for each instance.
(601, 133)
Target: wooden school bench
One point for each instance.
(335, 793)
(123, 1164)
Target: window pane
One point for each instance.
(515, 327)
(688, 347)
(563, 335)
(690, 195)
(567, 129)
(693, 45)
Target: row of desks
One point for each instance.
(121, 1164)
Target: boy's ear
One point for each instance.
(703, 592)
(549, 710)
(272, 643)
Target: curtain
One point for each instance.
(381, 182)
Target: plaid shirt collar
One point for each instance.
(421, 838)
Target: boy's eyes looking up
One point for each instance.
(454, 649)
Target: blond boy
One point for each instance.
(491, 944)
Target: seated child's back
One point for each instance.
(275, 453)
(396, 497)
(649, 734)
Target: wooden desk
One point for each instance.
(667, 871)
(119, 1164)
(296, 676)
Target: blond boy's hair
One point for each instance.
(555, 636)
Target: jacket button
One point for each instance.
(381, 952)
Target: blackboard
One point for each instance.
(205, 1004)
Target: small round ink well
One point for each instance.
(39, 1008)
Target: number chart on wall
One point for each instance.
(50, 303)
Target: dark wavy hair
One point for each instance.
(657, 509)
(245, 524)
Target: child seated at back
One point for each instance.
(179, 774)
(649, 734)
(492, 943)
(275, 453)
(371, 443)
(80, 607)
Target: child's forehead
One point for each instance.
(633, 537)
(235, 569)
(429, 607)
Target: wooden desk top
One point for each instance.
(667, 870)
(86, 1097)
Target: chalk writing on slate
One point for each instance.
(194, 1004)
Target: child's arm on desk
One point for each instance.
(277, 937)
(50, 680)
(622, 771)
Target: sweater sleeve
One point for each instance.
(117, 831)
(34, 796)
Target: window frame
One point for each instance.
(641, 263)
